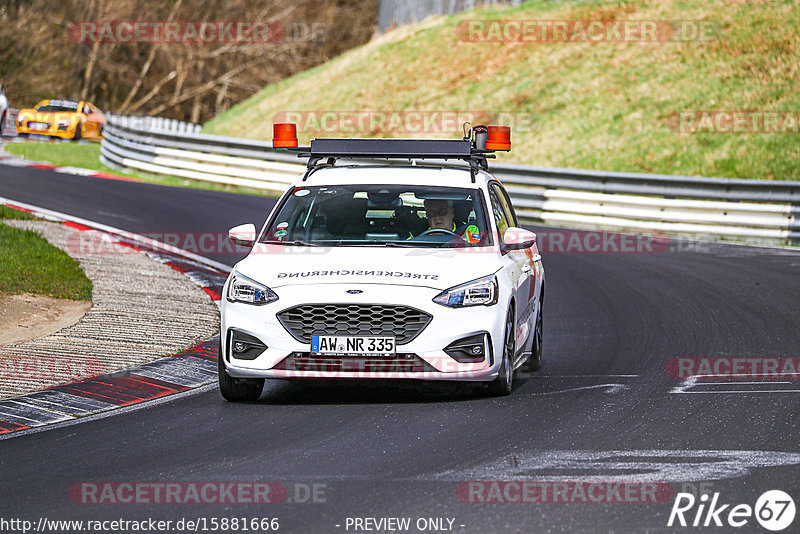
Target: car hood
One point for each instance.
(43, 114)
(278, 266)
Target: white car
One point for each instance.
(384, 271)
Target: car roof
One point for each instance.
(396, 174)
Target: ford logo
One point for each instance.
(354, 291)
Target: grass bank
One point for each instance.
(29, 264)
(581, 104)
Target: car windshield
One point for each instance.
(388, 215)
(56, 108)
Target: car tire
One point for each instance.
(77, 136)
(535, 361)
(501, 386)
(237, 389)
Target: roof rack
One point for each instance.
(474, 151)
(331, 149)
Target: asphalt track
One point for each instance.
(603, 408)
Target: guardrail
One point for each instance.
(752, 210)
(177, 149)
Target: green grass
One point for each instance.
(86, 156)
(29, 264)
(608, 105)
(10, 213)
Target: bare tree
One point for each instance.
(42, 56)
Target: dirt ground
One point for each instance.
(25, 317)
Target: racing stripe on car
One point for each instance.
(185, 370)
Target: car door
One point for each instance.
(97, 119)
(87, 127)
(526, 266)
(101, 120)
(515, 262)
(535, 273)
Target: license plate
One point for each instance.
(38, 125)
(352, 345)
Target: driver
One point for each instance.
(439, 214)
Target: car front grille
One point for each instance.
(399, 363)
(402, 322)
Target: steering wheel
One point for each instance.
(431, 231)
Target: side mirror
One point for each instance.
(244, 234)
(518, 238)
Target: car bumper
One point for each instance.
(52, 132)
(63, 134)
(422, 358)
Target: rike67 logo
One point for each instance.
(774, 510)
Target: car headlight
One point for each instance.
(243, 289)
(480, 292)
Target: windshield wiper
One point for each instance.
(297, 242)
(367, 242)
(399, 244)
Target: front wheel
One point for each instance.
(237, 389)
(77, 136)
(501, 386)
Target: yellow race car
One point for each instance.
(68, 119)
